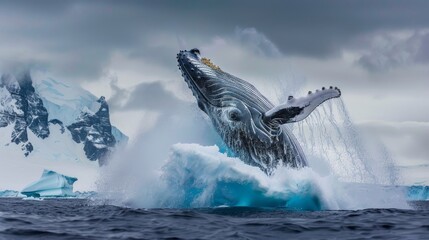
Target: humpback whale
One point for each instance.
(249, 124)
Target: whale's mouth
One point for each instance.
(196, 71)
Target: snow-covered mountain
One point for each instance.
(23, 109)
(53, 125)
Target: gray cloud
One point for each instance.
(145, 96)
(77, 39)
(119, 95)
(392, 52)
(257, 42)
(407, 140)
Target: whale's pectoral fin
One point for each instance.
(297, 109)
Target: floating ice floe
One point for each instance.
(9, 194)
(51, 184)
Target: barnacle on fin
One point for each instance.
(207, 62)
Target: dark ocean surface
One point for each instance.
(84, 219)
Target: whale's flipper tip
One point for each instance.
(297, 109)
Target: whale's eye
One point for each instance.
(234, 115)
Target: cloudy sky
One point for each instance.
(376, 52)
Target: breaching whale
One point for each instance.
(249, 124)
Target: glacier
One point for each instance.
(50, 184)
(64, 101)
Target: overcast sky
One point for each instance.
(376, 52)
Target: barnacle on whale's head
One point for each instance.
(207, 62)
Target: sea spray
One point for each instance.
(135, 171)
(330, 135)
(335, 146)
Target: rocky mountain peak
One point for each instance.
(23, 109)
(95, 131)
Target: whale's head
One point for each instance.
(196, 74)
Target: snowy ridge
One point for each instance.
(65, 101)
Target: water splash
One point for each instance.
(330, 136)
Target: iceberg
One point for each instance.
(9, 194)
(418, 193)
(51, 184)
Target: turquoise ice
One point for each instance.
(51, 184)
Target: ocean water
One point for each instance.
(86, 219)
